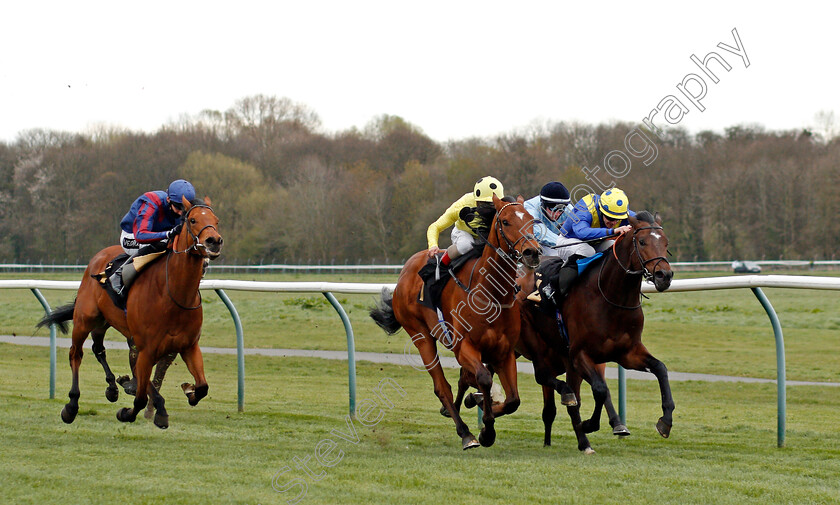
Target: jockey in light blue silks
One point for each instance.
(549, 210)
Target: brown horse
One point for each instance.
(604, 318)
(480, 323)
(163, 314)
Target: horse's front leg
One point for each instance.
(574, 381)
(161, 416)
(507, 376)
(640, 359)
(195, 364)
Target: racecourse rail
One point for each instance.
(752, 282)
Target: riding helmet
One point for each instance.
(613, 204)
(179, 189)
(486, 187)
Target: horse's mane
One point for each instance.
(509, 199)
(646, 216)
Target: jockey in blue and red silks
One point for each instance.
(154, 218)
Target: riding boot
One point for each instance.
(564, 279)
(123, 277)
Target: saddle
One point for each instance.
(435, 276)
(554, 279)
(139, 263)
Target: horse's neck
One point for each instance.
(184, 275)
(614, 279)
(496, 273)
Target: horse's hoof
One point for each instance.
(69, 414)
(470, 442)
(473, 399)
(487, 437)
(162, 421)
(568, 399)
(128, 385)
(663, 428)
(123, 415)
(621, 431)
(444, 412)
(588, 451)
(112, 393)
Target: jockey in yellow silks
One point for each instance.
(464, 238)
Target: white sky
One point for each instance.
(455, 69)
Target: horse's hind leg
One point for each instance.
(68, 413)
(463, 384)
(98, 336)
(549, 412)
(160, 372)
(195, 364)
(428, 352)
(142, 371)
(574, 414)
(161, 416)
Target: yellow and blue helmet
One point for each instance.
(486, 187)
(613, 204)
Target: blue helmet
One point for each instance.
(554, 195)
(179, 189)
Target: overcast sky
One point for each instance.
(455, 69)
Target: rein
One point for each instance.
(196, 246)
(517, 256)
(644, 272)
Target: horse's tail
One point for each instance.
(59, 316)
(383, 313)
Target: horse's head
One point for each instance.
(200, 229)
(651, 248)
(514, 228)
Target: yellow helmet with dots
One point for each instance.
(613, 204)
(486, 187)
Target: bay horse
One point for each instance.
(163, 315)
(480, 320)
(604, 320)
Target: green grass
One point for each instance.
(718, 332)
(722, 449)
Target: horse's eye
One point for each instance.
(192, 220)
(642, 242)
(505, 222)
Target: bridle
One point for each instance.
(196, 246)
(517, 254)
(646, 273)
(199, 248)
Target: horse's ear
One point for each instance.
(187, 204)
(497, 202)
(633, 221)
(657, 218)
(519, 199)
(207, 201)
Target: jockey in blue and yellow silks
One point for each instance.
(549, 209)
(464, 237)
(594, 217)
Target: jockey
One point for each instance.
(549, 210)
(154, 218)
(595, 219)
(479, 200)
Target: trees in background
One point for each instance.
(286, 191)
